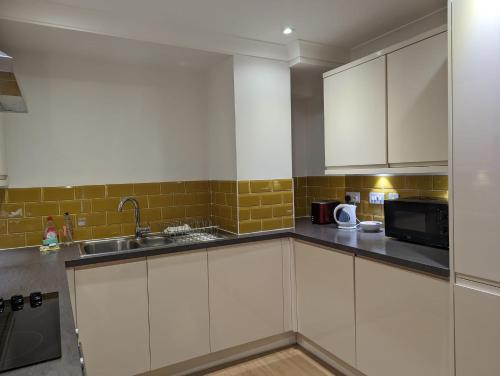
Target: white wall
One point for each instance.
(221, 122)
(408, 31)
(95, 122)
(263, 118)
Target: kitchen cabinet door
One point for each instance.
(112, 312)
(477, 331)
(325, 299)
(355, 115)
(417, 94)
(246, 293)
(476, 131)
(402, 322)
(178, 307)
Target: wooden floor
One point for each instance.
(289, 362)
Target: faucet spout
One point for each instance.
(139, 231)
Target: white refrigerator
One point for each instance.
(475, 173)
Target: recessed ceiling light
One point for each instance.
(287, 30)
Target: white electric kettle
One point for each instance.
(345, 216)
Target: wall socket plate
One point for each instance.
(355, 197)
(376, 198)
(392, 196)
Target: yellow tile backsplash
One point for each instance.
(94, 209)
(224, 205)
(265, 205)
(312, 188)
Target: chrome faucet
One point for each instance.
(139, 231)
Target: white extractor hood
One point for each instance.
(11, 99)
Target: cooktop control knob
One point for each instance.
(17, 302)
(2, 305)
(35, 299)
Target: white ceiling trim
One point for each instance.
(52, 14)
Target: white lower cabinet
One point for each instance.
(246, 293)
(477, 330)
(325, 299)
(112, 314)
(402, 322)
(178, 307)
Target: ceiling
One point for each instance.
(227, 25)
(19, 36)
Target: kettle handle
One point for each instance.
(337, 208)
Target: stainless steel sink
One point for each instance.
(109, 246)
(153, 241)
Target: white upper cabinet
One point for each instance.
(325, 299)
(355, 115)
(476, 135)
(417, 94)
(246, 293)
(402, 322)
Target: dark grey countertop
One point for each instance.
(23, 271)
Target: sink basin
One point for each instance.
(109, 246)
(153, 241)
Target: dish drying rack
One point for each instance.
(197, 230)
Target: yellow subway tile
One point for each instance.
(147, 189)
(259, 213)
(91, 219)
(243, 187)
(34, 238)
(25, 225)
(38, 209)
(250, 226)
(148, 215)
(272, 224)
(248, 200)
(202, 198)
(197, 211)
(437, 194)
(244, 214)
(197, 186)
(82, 233)
(270, 198)
(58, 193)
(383, 181)
(405, 193)
(86, 206)
(260, 186)
(220, 198)
(128, 229)
(184, 199)
(288, 222)
(288, 198)
(173, 212)
(120, 217)
(317, 181)
(328, 193)
(73, 207)
(173, 187)
(283, 211)
(106, 231)
(354, 181)
(3, 226)
(440, 183)
(119, 190)
(227, 186)
(418, 182)
(336, 181)
(232, 199)
(108, 204)
(282, 185)
(24, 194)
(11, 210)
(90, 191)
(12, 241)
(159, 201)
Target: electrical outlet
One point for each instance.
(82, 221)
(376, 198)
(392, 196)
(355, 197)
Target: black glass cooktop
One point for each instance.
(29, 330)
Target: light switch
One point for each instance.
(392, 196)
(376, 198)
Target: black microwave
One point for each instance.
(418, 220)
